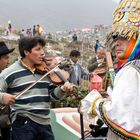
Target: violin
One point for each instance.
(58, 76)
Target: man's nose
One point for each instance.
(42, 52)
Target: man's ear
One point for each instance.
(26, 52)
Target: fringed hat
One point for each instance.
(127, 19)
(126, 24)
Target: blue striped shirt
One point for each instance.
(35, 103)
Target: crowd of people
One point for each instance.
(114, 101)
(31, 109)
(29, 113)
(36, 30)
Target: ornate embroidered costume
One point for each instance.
(121, 111)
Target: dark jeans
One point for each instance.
(5, 134)
(25, 129)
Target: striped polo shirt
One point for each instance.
(35, 103)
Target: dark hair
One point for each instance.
(27, 43)
(75, 53)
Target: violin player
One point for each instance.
(30, 112)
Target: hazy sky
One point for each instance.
(56, 15)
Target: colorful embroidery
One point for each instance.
(115, 128)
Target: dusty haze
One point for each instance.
(56, 15)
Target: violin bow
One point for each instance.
(24, 91)
(30, 86)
